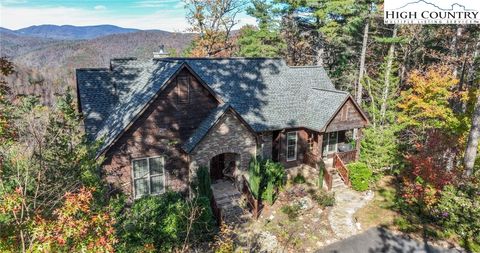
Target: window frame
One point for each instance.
(295, 146)
(149, 176)
(327, 143)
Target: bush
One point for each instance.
(274, 177)
(204, 184)
(292, 211)
(360, 176)
(265, 178)
(255, 176)
(299, 179)
(161, 223)
(324, 198)
(458, 211)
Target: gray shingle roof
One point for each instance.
(204, 127)
(267, 93)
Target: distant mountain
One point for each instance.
(70, 32)
(47, 66)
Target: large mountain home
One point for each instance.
(159, 120)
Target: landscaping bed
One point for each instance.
(295, 222)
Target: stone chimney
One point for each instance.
(161, 53)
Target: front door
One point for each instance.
(217, 164)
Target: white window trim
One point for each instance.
(149, 178)
(328, 143)
(295, 147)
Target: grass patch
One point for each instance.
(292, 211)
(380, 210)
(299, 179)
(323, 198)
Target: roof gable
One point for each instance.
(266, 93)
(208, 123)
(347, 116)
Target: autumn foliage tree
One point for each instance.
(213, 20)
(48, 157)
(76, 227)
(426, 105)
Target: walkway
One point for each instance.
(347, 202)
(228, 200)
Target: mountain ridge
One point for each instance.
(70, 32)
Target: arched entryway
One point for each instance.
(223, 166)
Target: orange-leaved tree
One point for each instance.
(76, 227)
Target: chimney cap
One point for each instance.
(161, 53)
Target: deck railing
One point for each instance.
(348, 156)
(254, 203)
(341, 168)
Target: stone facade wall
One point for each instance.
(160, 131)
(229, 135)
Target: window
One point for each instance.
(148, 176)
(330, 142)
(183, 90)
(291, 146)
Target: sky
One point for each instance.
(166, 15)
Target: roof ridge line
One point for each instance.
(336, 91)
(89, 69)
(306, 67)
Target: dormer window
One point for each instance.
(183, 90)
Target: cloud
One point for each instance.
(14, 1)
(100, 8)
(156, 3)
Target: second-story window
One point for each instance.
(183, 90)
(291, 146)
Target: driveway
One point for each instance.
(382, 240)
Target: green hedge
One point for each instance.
(161, 222)
(360, 176)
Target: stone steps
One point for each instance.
(337, 182)
(228, 200)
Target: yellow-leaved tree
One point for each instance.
(426, 104)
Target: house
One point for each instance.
(160, 119)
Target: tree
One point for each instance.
(426, 104)
(49, 157)
(473, 140)
(7, 132)
(214, 21)
(264, 41)
(75, 227)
